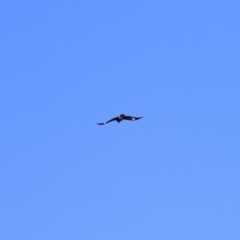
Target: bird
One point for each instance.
(120, 118)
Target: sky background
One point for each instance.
(66, 65)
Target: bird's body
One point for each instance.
(120, 118)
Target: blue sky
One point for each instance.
(66, 65)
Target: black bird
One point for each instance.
(120, 118)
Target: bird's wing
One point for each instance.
(131, 118)
(113, 119)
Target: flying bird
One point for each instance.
(120, 118)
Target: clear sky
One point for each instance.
(66, 65)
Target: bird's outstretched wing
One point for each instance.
(113, 119)
(131, 118)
